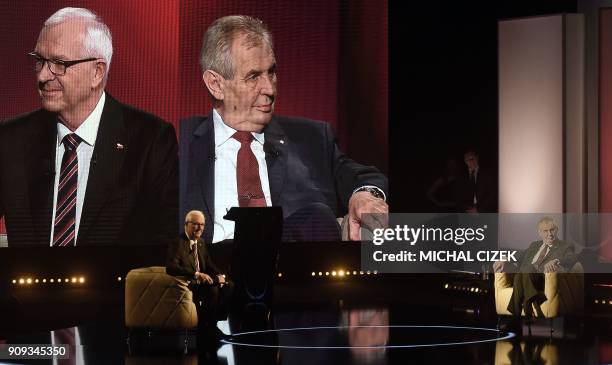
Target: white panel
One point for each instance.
(575, 131)
(531, 115)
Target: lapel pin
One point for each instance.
(282, 141)
(119, 146)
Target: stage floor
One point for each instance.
(334, 334)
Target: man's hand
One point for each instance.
(552, 266)
(361, 203)
(204, 278)
(498, 266)
(221, 279)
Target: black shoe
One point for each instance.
(213, 333)
(209, 340)
(220, 335)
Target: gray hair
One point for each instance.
(191, 213)
(98, 41)
(547, 220)
(217, 43)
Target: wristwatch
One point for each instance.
(377, 192)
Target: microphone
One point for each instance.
(270, 149)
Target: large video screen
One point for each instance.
(330, 64)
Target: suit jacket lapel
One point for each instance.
(553, 250)
(187, 252)
(202, 164)
(201, 249)
(276, 158)
(106, 163)
(40, 168)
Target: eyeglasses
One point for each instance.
(196, 224)
(57, 67)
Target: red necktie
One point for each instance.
(64, 230)
(250, 193)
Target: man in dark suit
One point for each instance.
(85, 169)
(547, 255)
(242, 155)
(475, 187)
(211, 291)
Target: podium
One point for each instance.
(257, 237)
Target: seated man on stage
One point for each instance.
(545, 256)
(188, 256)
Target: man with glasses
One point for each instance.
(188, 257)
(85, 169)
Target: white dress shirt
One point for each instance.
(226, 189)
(88, 131)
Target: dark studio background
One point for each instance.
(443, 88)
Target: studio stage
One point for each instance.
(341, 316)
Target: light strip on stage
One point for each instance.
(232, 340)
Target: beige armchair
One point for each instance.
(564, 292)
(156, 300)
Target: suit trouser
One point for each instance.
(215, 301)
(313, 222)
(527, 287)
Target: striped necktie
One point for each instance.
(64, 231)
(194, 251)
(66, 336)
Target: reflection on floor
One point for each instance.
(370, 320)
(334, 335)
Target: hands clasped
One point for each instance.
(552, 266)
(203, 278)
